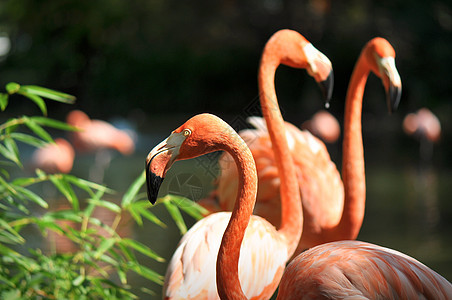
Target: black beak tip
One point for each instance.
(153, 183)
(393, 98)
(326, 87)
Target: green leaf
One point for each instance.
(87, 185)
(32, 196)
(44, 121)
(192, 208)
(3, 101)
(146, 272)
(9, 154)
(12, 148)
(142, 248)
(142, 208)
(175, 214)
(133, 190)
(104, 246)
(79, 280)
(135, 214)
(38, 130)
(107, 204)
(28, 139)
(65, 188)
(12, 87)
(36, 99)
(48, 93)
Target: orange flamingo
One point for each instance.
(329, 214)
(54, 158)
(308, 152)
(342, 269)
(98, 136)
(324, 126)
(191, 271)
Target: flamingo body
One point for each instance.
(54, 158)
(323, 125)
(98, 134)
(317, 175)
(423, 124)
(192, 269)
(359, 270)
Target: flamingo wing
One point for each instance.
(192, 270)
(359, 270)
(321, 187)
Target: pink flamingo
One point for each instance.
(98, 136)
(191, 271)
(320, 186)
(54, 158)
(324, 126)
(336, 270)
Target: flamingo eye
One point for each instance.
(186, 132)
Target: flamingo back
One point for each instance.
(191, 272)
(359, 270)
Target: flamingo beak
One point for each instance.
(326, 87)
(391, 82)
(319, 67)
(158, 162)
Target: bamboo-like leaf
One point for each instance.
(176, 215)
(104, 246)
(48, 93)
(142, 207)
(44, 121)
(146, 272)
(135, 215)
(32, 196)
(133, 190)
(142, 249)
(36, 99)
(192, 208)
(66, 189)
(79, 280)
(38, 130)
(7, 153)
(3, 101)
(87, 185)
(11, 145)
(107, 204)
(28, 139)
(24, 181)
(12, 87)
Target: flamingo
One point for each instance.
(98, 136)
(191, 271)
(321, 188)
(324, 126)
(342, 269)
(54, 158)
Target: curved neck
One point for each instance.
(228, 256)
(353, 155)
(291, 210)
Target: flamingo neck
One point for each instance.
(228, 256)
(353, 154)
(291, 210)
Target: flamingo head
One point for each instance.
(381, 58)
(294, 50)
(200, 135)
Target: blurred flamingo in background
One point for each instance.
(425, 126)
(320, 186)
(54, 158)
(342, 269)
(98, 136)
(324, 126)
(265, 250)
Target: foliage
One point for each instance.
(100, 253)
